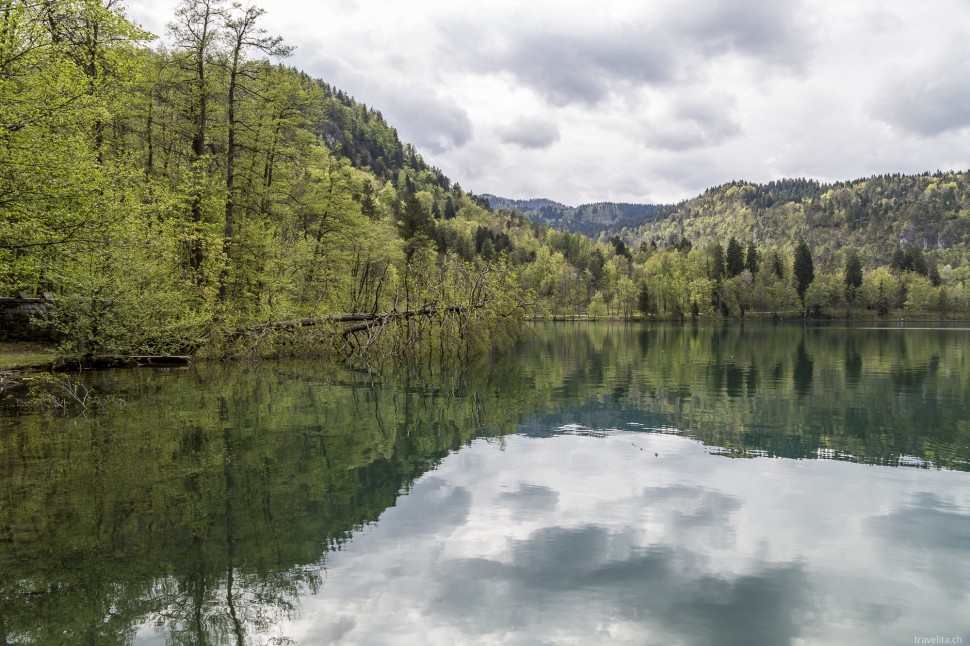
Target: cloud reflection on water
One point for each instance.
(577, 540)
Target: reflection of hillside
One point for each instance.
(866, 395)
(211, 501)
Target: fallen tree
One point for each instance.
(363, 320)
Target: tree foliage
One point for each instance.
(176, 199)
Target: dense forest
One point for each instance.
(881, 246)
(205, 197)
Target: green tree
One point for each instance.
(853, 274)
(921, 295)
(620, 248)
(715, 254)
(777, 266)
(909, 258)
(752, 259)
(878, 290)
(825, 296)
(242, 35)
(803, 268)
(735, 258)
(196, 34)
(368, 204)
(416, 224)
(644, 302)
(64, 68)
(597, 306)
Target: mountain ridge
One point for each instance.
(876, 214)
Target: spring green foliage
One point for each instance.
(896, 230)
(171, 197)
(908, 225)
(175, 200)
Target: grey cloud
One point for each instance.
(529, 500)
(429, 122)
(567, 67)
(660, 587)
(433, 505)
(424, 118)
(772, 32)
(935, 530)
(587, 65)
(693, 122)
(686, 134)
(528, 132)
(693, 507)
(930, 100)
(584, 68)
(333, 633)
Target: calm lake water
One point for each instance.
(600, 484)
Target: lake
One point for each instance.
(598, 484)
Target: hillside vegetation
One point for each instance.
(882, 246)
(207, 198)
(204, 197)
(875, 216)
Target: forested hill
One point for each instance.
(875, 215)
(593, 220)
(175, 198)
(204, 197)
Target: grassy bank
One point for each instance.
(18, 356)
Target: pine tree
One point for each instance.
(803, 268)
(735, 258)
(368, 205)
(643, 300)
(853, 270)
(853, 275)
(751, 259)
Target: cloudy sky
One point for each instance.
(645, 101)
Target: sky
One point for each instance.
(630, 101)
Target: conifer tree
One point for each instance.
(751, 259)
(803, 268)
(735, 258)
(853, 270)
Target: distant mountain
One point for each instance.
(876, 215)
(525, 206)
(594, 220)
